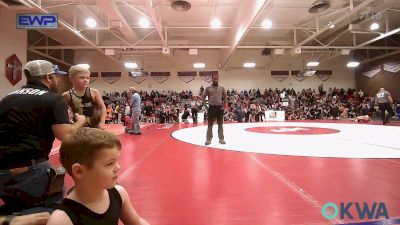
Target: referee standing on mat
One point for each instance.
(384, 100)
(217, 100)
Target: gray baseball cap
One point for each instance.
(38, 68)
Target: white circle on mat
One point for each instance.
(352, 140)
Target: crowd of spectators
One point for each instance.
(249, 105)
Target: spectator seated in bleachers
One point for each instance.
(397, 110)
(185, 116)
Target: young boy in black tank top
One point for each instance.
(91, 157)
(84, 100)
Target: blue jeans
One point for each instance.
(136, 122)
(26, 193)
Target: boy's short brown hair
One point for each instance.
(83, 146)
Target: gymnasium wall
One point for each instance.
(235, 77)
(12, 41)
(389, 81)
(15, 41)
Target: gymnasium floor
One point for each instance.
(267, 173)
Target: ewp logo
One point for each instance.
(37, 21)
(375, 211)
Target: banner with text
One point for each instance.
(372, 71)
(111, 77)
(160, 77)
(298, 76)
(138, 76)
(187, 76)
(280, 75)
(393, 67)
(207, 75)
(323, 75)
(93, 76)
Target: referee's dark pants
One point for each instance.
(215, 112)
(383, 107)
(194, 115)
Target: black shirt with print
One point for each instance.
(26, 117)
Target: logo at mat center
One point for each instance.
(292, 130)
(355, 210)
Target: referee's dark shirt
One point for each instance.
(26, 116)
(382, 97)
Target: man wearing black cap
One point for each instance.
(30, 119)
